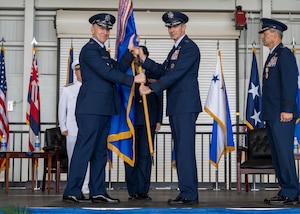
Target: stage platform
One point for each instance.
(210, 201)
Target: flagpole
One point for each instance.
(34, 43)
(2, 41)
(146, 113)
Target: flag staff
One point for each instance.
(34, 43)
(217, 171)
(146, 113)
(2, 41)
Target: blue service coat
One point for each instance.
(97, 101)
(280, 78)
(178, 75)
(280, 84)
(98, 94)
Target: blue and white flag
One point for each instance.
(254, 103)
(217, 107)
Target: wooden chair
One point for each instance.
(258, 158)
(56, 144)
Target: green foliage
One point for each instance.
(14, 210)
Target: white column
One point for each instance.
(266, 11)
(29, 20)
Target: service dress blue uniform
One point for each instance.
(179, 77)
(279, 91)
(67, 121)
(138, 177)
(97, 101)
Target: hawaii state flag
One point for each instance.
(217, 107)
(121, 136)
(70, 72)
(4, 124)
(254, 105)
(33, 103)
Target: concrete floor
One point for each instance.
(207, 199)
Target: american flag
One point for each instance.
(4, 124)
(33, 103)
(70, 73)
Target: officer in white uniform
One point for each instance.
(67, 120)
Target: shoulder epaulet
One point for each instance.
(67, 85)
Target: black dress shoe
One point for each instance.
(104, 199)
(74, 199)
(144, 197)
(181, 201)
(282, 201)
(133, 197)
(274, 198)
(139, 197)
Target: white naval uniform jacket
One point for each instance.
(66, 109)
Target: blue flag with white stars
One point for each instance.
(254, 103)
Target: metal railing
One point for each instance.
(163, 175)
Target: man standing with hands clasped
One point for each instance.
(179, 76)
(279, 110)
(97, 101)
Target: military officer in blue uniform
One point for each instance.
(279, 109)
(138, 177)
(179, 76)
(97, 101)
(67, 120)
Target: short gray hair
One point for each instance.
(280, 33)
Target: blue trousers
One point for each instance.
(183, 127)
(91, 146)
(281, 139)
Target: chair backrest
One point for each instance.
(258, 146)
(53, 137)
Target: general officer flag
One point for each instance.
(70, 72)
(297, 127)
(217, 107)
(4, 124)
(33, 103)
(254, 105)
(121, 136)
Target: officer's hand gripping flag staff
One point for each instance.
(146, 113)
